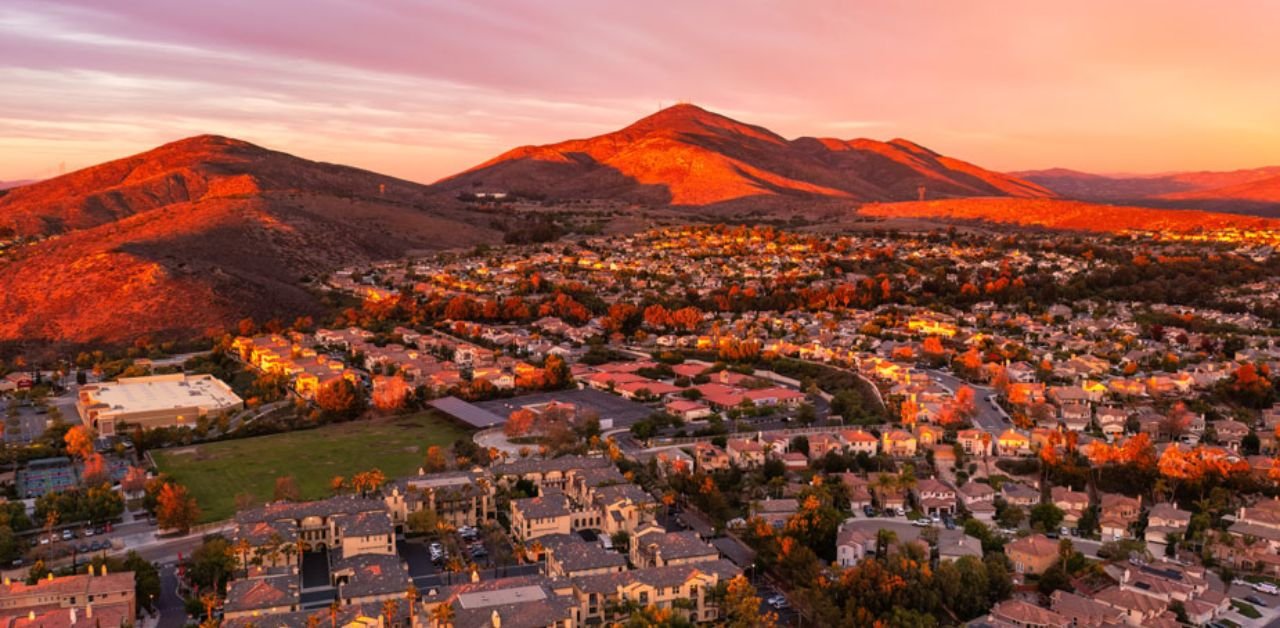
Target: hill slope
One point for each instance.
(1067, 215)
(1255, 190)
(685, 155)
(198, 234)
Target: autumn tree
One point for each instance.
(519, 423)
(287, 489)
(742, 606)
(435, 461)
(79, 440)
(176, 509)
(340, 399)
(390, 392)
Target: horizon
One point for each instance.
(1139, 90)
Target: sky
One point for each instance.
(422, 89)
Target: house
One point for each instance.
(1032, 554)
(974, 442)
(745, 453)
(776, 511)
(955, 544)
(1017, 612)
(1013, 443)
(657, 548)
(1112, 422)
(979, 499)
(935, 498)
(1082, 611)
(546, 514)
(898, 443)
(1163, 520)
(858, 490)
(1118, 514)
(853, 544)
(928, 435)
(686, 589)
(688, 410)
(569, 556)
(708, 457)
(1231, 433)
(1019, 494)
(76, 601)
(1071, 503)
(859, 441)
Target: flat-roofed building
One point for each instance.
(154, 401)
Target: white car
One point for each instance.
(1266, 587)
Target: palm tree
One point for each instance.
(209, 600)
(884, 538)
(313, 621)
(442, 615)
(389, 608)
(411, 596)
(243, 547)
(289, 550)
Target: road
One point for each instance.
(990, 418)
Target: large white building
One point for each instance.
(154, 401)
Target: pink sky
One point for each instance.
(422, 89)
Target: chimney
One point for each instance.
(31, 615)
(73, 615)
(496, 619)
(104, 569)
(50, 576)
(88, 611)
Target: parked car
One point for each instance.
(779, 602)
(1255, 600)
(1266, 587)
(67, 535)
(869, 511)
(899, 512)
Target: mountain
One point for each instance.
(1067, 215)
(687, 156)
(198, 234)
(1255, 191)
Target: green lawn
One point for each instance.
(216, 472)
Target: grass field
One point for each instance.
(216, 472)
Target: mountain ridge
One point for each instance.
(687, 156)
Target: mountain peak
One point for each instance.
(685, 155)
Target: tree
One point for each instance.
(1046, 517)
(742, 606)
(336, 484)
(519, 423)
(435, 461)
(442, 615)
(176, 509)
(79, 441)
(423, 521)
(340, 399)
(287, 489)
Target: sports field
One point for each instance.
(216, 472)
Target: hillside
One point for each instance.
(198, 234)
(687, 156)
(1068, 215)
(1255, 191)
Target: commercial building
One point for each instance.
(154, 401)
